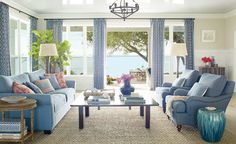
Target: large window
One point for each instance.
(19, 45)
(80, 34)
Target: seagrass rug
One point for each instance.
(121, 126)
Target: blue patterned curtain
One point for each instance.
(99, 52)
(33, 38)
(189, 39)
(56, 26)
(5, 66)
(157, 52)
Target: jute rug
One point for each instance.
(121, 126)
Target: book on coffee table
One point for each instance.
(98, 100)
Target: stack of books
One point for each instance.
(96, 100)
(10, 129)
(134, 100)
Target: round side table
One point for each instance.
(27, 104)
(211, 124)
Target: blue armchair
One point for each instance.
(218, 94)
(186, 81)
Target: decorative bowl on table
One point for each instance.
(13, 99)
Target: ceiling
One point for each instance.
(146, 6)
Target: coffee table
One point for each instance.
(84, 106)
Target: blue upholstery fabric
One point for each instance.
(198, 89)
(21, 78)
(59, 100)
(33, 87)
(191, 77)
(181, 92)
(53, 81)
(5, 67)
(33, 38)
(5, 84)
(215, 83)
(179, 106)
(56, 26)
(179, 82)
(189, 39)
(68, 92)
(36, 75)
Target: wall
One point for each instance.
(41, 24)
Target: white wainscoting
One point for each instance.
(83, 82)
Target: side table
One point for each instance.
(27, 104)
(211, 124)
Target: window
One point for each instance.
(80, 36)
(174, 33)
(19, 37)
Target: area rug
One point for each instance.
(121, 126)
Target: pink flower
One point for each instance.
(124, 77)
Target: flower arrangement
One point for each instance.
(124, 77)
(207, 60)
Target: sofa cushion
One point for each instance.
(36, 74)
(5, 84)
(61, 80)
(179, 82)
(198, 89)
(58, 100)
(69, 92)
(191, 77)
(53, 80)
(44, 85)
(215, 83)
(20, 88)
(33, 87)
(22, 78)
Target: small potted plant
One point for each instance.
(126, 89)
(207, 61)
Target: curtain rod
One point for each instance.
(20, 11)
(116, 18)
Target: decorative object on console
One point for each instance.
(127, 88)
(123, 9)
(208, 61)
(180, 51)
(213, 70)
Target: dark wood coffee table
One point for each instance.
(82, 104)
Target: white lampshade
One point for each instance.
(49, 49)
(179, 49)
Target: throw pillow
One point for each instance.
(53, 80)
(20, 88)
(44, 85)
(198, 89)
(179, 82)
(61, 80)
(33, 87)
(5, 84)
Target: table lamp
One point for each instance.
(48, 50)
(180, 51)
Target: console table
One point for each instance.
(212, 70)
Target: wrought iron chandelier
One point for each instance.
(123, 9)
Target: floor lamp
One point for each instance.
(48, 50)
(180, 51)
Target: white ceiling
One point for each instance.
(146, 6)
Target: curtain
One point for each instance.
(157, 52)
(99, 52)
(33, 38)
(5, 67)
(189, 39)
(56, 26)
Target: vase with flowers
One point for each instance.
(126, 89)
(207, 61)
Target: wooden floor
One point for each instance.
(231, 115)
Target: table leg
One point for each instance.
(142, 111)
(87, 111)
(129, 107)
(32, 123)
(81, 117)
(147, 117)
(22, 126)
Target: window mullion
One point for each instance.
(85, 49)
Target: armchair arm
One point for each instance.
(179, 106)
(181, 92)
(206, 99)
(166, 84)
(71, 83)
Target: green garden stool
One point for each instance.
(211, 124)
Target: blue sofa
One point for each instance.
(218, 94)
(189, 77)
(51, 107)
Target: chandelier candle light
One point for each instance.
(123, 9)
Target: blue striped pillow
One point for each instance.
(44, 85)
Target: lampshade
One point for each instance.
(179, 49)
(48, 50)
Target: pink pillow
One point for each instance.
(20, 88)
(61, 80)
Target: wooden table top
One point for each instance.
(22, 105)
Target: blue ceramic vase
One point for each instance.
(127, 88)
(211, 124)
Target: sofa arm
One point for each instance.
(71, 84)
(42, 99)
(179, 106)
(166, 84)
(181, 92)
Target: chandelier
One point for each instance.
(123, 9)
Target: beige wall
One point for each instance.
(230, 27)
(209, 24)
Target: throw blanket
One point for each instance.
(170, 101)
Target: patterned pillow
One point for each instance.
(53, 80)
(61, 80)
(44, 85)
(20, 88)
(33, 87)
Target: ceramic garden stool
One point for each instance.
(211, 124)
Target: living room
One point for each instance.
(169, 61)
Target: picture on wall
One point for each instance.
(208, 35)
